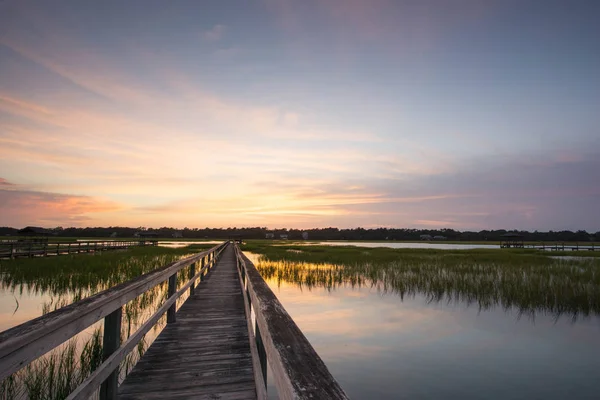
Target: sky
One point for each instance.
(463, 114)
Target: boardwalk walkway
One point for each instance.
(219, 345)
(205, 354)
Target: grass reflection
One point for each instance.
(526, 281)
(67, 279)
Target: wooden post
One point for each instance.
(45, 249)
(201, 267)
(57, 249)
(69, 249)
(111, 342)
(172, 289)
(262, 354)
(12, 250)
(192, 273)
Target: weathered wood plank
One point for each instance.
(298, 371)
(206, 352)
(110, 343)
(26, 342)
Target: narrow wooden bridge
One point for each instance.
(33, 248)
(216, 346)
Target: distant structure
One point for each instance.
(512, 240)
(146, 234)
(283, 236)
(270, 236)
(177, 235)
(305, 235)
(113, 235)
(439, 237)
(425, 237)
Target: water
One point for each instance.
(379, 346)
(179, 244)
(406, 245)
(431, 245)
(17, 307)
(43, 285)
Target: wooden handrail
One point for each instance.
(33, 248)
(298, 371)
(26, 342)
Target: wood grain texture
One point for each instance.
(298, 371)
(26, 342)
(206, 353)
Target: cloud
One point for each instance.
(21, 207)
(4, 182)
(215, 34)
(134, 124)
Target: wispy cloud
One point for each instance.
(319, 125)
(215, 34)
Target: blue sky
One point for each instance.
(457, 113)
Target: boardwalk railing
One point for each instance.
(24, 343)
(298, 371)
(33, 248)
(563, 246)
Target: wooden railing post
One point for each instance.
(12, 250)
(262, 354)
(172, 289)
(191, 275)
(202, 267)
(111, 342)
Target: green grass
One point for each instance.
(69, 278)
(84, 274)
(528, 281)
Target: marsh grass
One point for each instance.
(68, 279)
(527, 281)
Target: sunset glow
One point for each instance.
(300, 114)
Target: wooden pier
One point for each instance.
(205, 351)
(216, 346)
(34, 248)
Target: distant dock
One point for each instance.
(42, 248)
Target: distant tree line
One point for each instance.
(317, 234)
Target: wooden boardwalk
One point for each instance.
(217, 346)
(25, 248)
(205, 354)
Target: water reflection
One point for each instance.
(381, 345)
(31, 288)
(402, 245)
(182, 243)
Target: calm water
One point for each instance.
(405, 245)
(179, 244)
(381, 347)
(427, 245)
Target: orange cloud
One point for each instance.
(24, 207)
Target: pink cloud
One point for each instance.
(22, 207)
